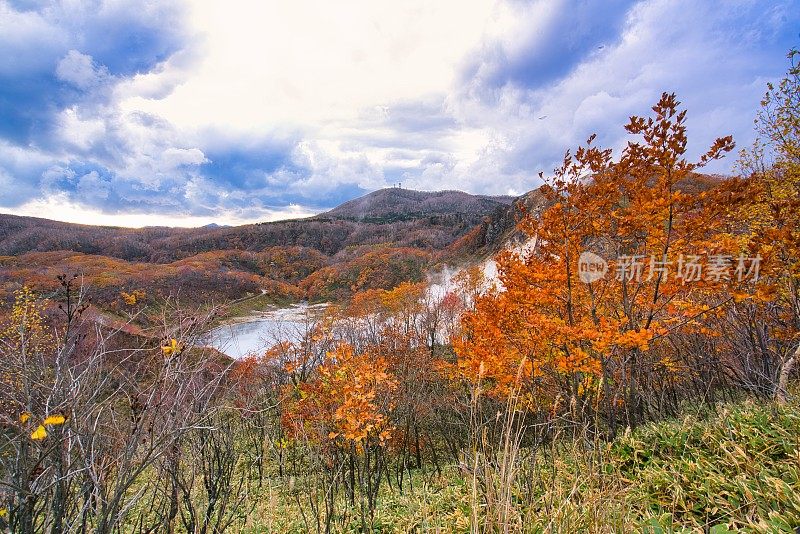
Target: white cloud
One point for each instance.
(6, 181)
(77, 132)
(177, 157)
(60, 208)
(304, 63)
(91, 186)
(331, 164)
(339, 96)
(717, 73)
(81, 71)
(24, 36)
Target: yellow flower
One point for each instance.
(54, 420)
(3, 512)
(24, 417)
(39, 434)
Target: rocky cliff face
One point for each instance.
(502, 225)
(498, 230)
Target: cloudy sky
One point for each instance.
(149, 112)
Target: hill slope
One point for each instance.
(377, 241)
(373, 242)
(394, 204)
(735, 470)
(426, 220)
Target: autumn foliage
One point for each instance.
(650, 328)
(347, 401)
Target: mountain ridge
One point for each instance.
(397, 203)
(377, 241)
(374, 242)
(420, 219)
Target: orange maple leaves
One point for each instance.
(570, 329)
(348, 399)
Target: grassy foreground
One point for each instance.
(735, 470)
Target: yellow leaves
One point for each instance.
(26, 325)
(766, 293)
(739, 296)
(635, 339)
(54, 420)
(405, 296)
(133, 298)
(573, 359)
(588, 385)
(3, 513)
(349, 398)
(670, 364)
(601, 341)
(172, 347)
(613, 334)
(709, 332)
(39, 434)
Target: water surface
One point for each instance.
(253, 335)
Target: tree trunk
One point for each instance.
(781, 392)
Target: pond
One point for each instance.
(253, 335)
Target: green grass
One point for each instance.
(736, 470)
(740, 469)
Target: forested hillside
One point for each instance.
(377, 241)
(398, 216)
(404, 204)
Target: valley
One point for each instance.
(378, 241)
